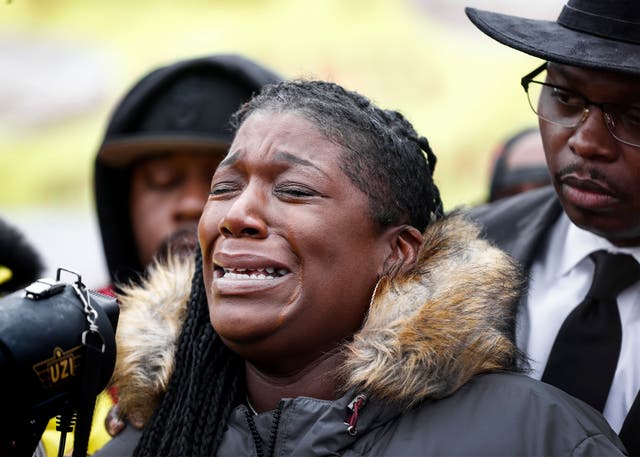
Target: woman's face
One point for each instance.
(291, 254)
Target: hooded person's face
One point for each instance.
(291, 254)
(168, 193)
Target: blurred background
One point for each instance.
(65, 64)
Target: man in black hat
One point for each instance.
(580, 239)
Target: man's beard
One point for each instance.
(181, 243)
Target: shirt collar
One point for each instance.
(580, 243)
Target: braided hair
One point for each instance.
(204, 387)
(385, 158)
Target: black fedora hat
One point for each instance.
(596, 34)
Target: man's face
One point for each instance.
(290, 251)
(168, 193)
(597, 177)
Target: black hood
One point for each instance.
(187, 103)
(20, 263)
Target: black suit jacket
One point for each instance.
(520, 224)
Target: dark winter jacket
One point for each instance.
(432, 362)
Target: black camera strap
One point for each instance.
(94, 347)
(90, 383)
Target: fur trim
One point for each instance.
(151, 317)
(427, 333)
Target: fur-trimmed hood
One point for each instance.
(427, 332)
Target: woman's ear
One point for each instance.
(405, 247)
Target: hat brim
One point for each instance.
(122, 152)
(552, 42)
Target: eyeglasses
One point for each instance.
(563, 107)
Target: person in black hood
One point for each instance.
(161, 146)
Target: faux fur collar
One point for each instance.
(427, 333)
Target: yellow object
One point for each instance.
(5, 274)
(98, 438)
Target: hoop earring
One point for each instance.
(375, 291)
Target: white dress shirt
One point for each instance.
(559, 279)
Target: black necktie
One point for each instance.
(629, 434)
(585, 353)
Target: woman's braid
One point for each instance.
(202, 390)
(403, 127)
